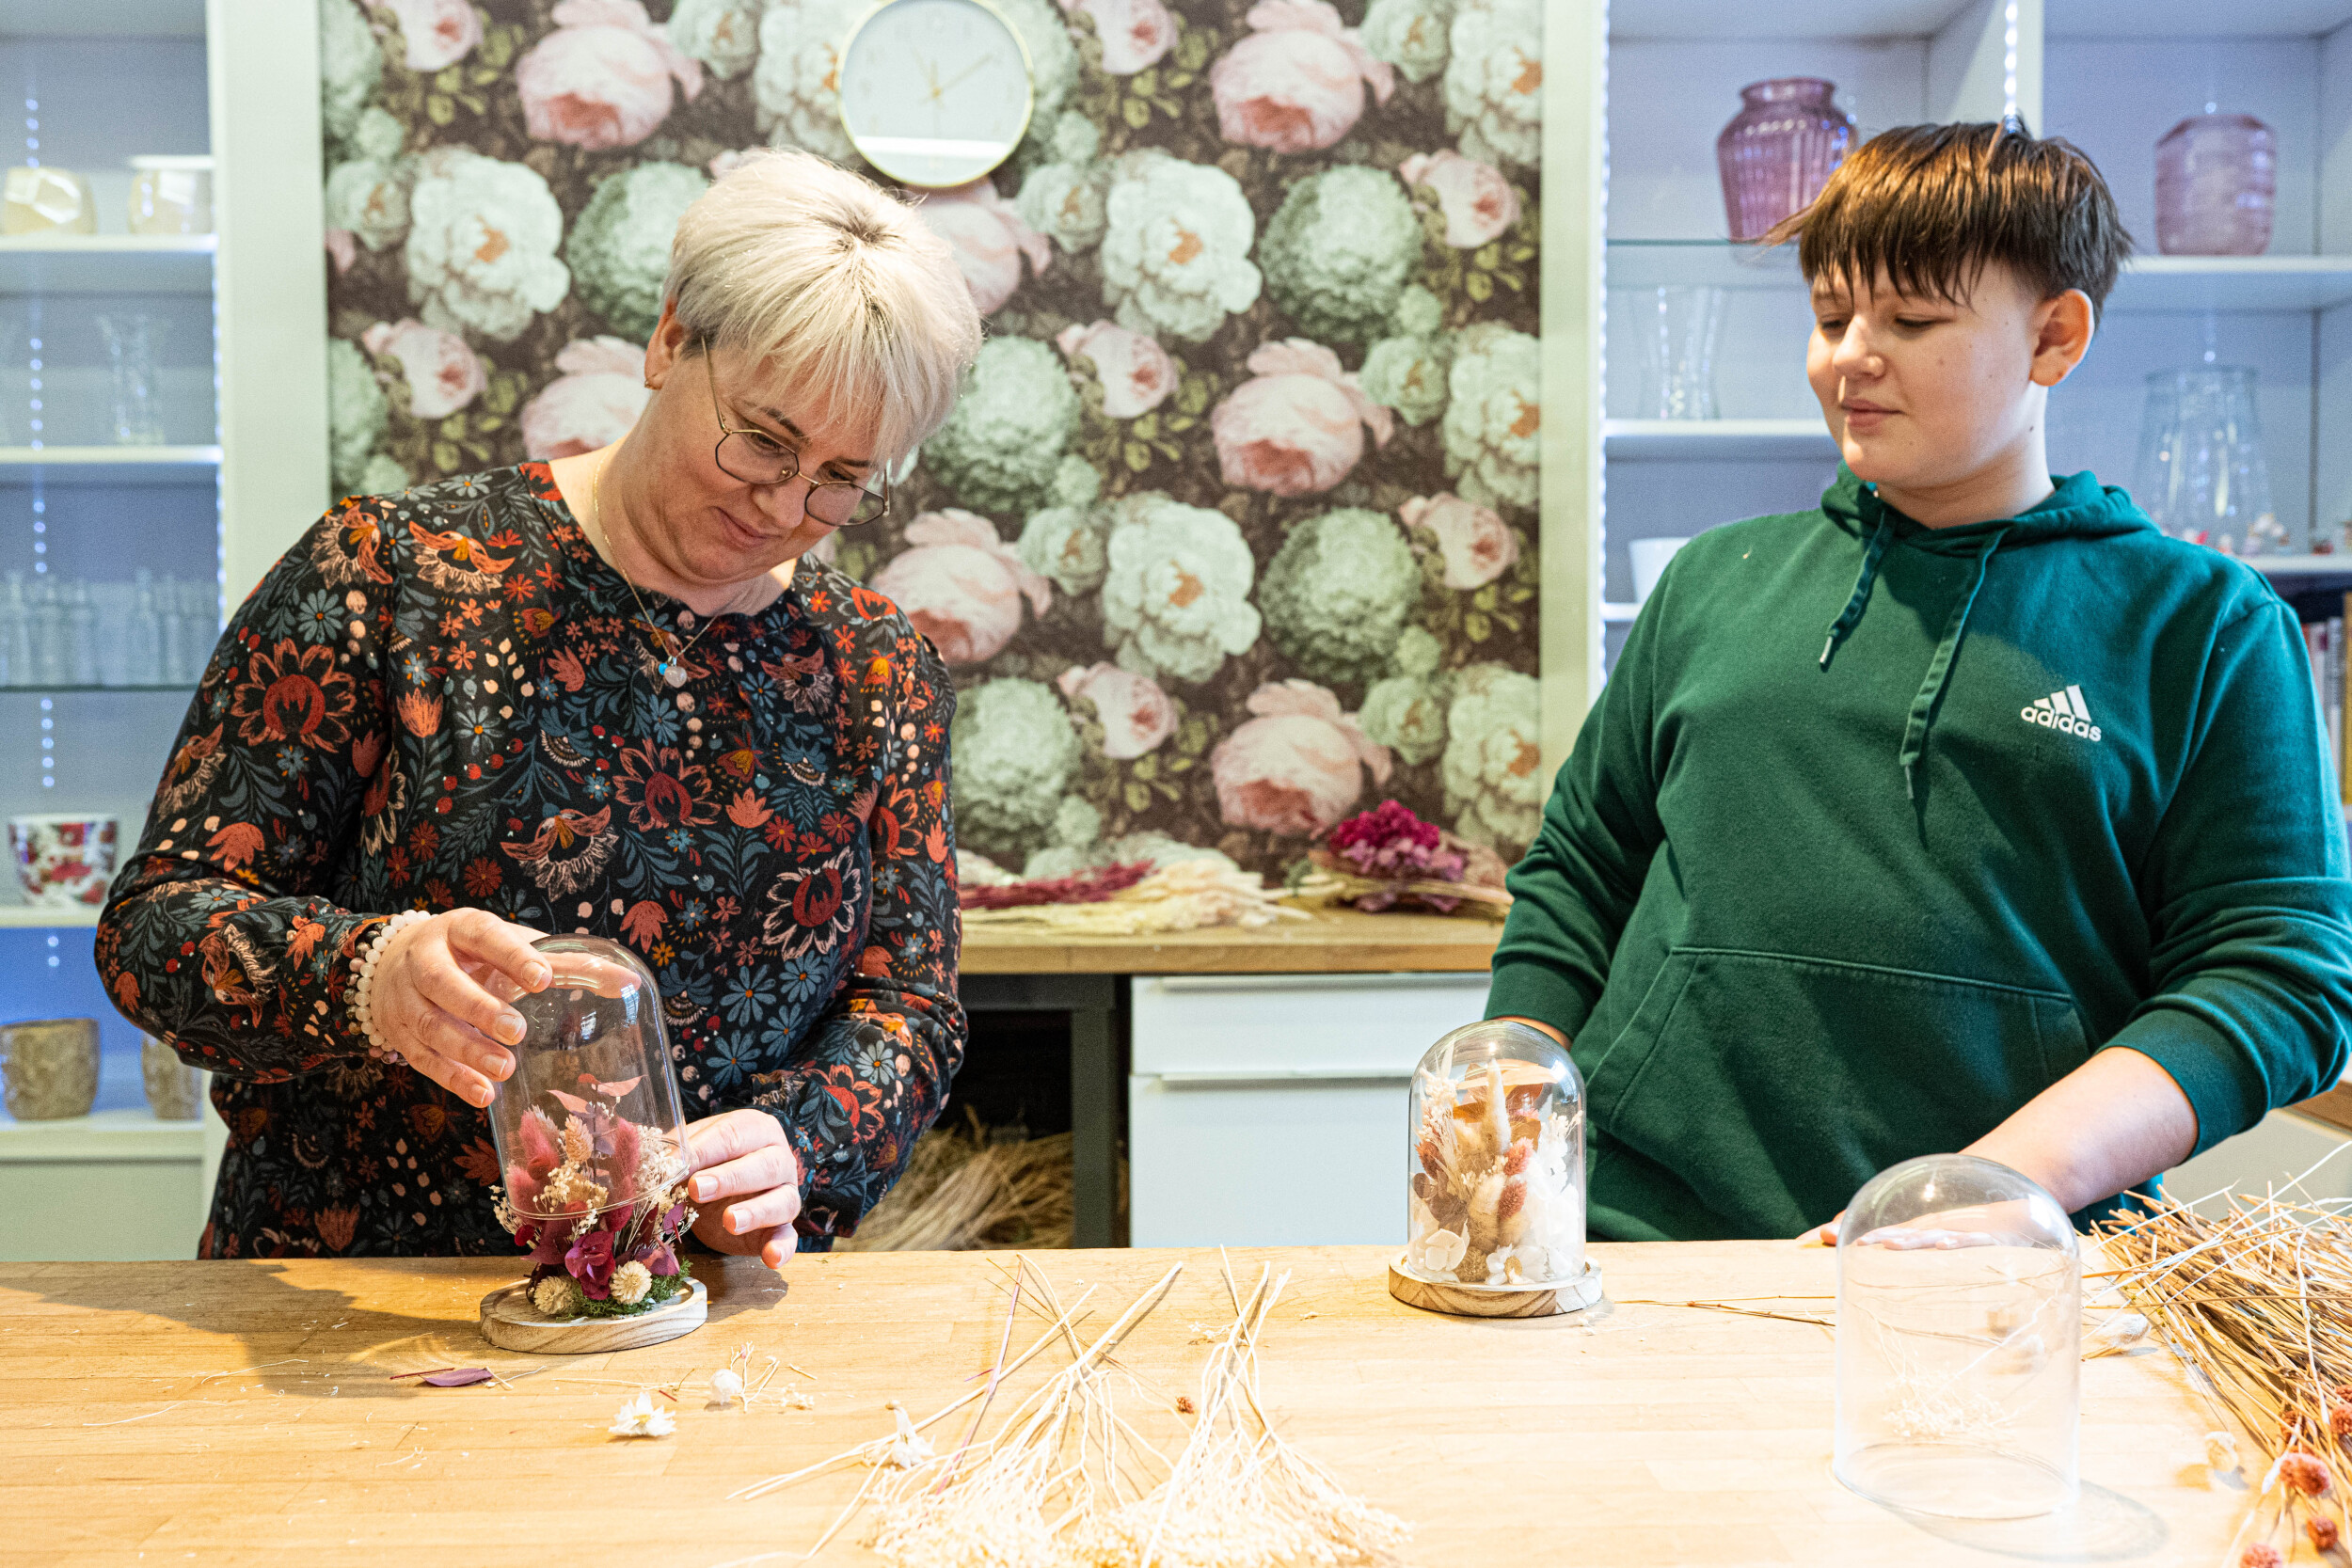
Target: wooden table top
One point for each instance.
(1330, 941)
(181, 1410)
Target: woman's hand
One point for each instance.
(429, 1004)
(744, 1164)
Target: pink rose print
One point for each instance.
(1136, 715)
(592, 403)
(989, 239)
(1298, 767)
(342, 248)
(962, 585)
(602, 78)
(1298, 83)
(438, 33)
(1476, 545)
(1136, 374)
(1477, 201)
(443, 373)
(1134, 33)
(1296, 427)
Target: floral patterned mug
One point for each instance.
(63, 859)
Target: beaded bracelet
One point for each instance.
(363, 982)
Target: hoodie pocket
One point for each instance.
(1763, 1079)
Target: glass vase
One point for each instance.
(1495, 1162)
(589, 1134)
(1959, 1342)
(1679, 327)
(2217, 180)
(1778, 150)
(132, 341)
(2202, 474)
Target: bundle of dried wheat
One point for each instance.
(1184, 896)
(1239, 1492)
(2258, 1301)
(1064, 1481)
(969, 1188)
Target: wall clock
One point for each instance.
(935, 92)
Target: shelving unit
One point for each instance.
(244, 392)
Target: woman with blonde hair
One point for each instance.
(605, 694)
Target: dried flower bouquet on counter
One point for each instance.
(1496, 1195)
(1377, 858)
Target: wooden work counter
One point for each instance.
(157, 1412)
(1328, 942)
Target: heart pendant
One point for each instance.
(673, 674)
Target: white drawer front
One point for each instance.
(1301, 1164)
(1269, 1027)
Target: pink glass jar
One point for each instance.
(1778, 150)
(2216, 178)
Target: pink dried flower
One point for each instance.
(542, 1151)
(590, 1261)
(2322, 1533)
(2340, 1419)
(2260, 1555)
(2306, 1472)
(1514, 1158)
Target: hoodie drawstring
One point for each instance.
(1939, 674)
(1850, 616)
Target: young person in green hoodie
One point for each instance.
(1964, 812)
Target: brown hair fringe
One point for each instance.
(1931, 205)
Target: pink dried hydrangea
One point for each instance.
(2305, 1472)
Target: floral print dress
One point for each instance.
(444, 698)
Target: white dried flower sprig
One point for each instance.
(726, 1387)
(640, 1417)
(2221, 1454)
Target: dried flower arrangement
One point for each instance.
(1090, 886)
(1182, 896)
(1494, 1201)
(1065, 1478)
(2258, 1301)
(601, 1204)
(1373, 860)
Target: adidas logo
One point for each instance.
(2062, 711)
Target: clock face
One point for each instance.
(935, 92)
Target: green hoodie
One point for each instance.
(1810, 906)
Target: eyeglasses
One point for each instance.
(756, 457)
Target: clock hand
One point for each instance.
(930, 73)
(960, 75)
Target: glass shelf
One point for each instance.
(109, 464)
(2149, 284)
(1659, 441)
(1722, 21)
(84, 18)
(107, 264)
(42, 916)
(76, 690)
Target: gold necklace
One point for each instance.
(670, 667)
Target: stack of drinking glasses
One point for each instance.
(57, 631)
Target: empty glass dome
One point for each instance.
(1958, 1342)
(1495, 1162)
(589, 1121)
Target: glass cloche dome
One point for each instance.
(1958, 1342)
(589, 1122)
(1494, 1167)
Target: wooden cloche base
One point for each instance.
(1494, 1301)
(511, 1322)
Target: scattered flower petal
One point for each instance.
(640, 1417)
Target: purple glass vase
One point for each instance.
(2216, 177)
(1778, 150)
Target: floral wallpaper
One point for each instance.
(1233, 532)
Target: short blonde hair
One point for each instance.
(831, 280)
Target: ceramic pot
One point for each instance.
(175, 1091)
(50, 1068)
(63, 859)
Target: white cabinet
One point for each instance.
(1268, 1110)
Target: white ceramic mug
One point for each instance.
(1649, 559)
(63, 859)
